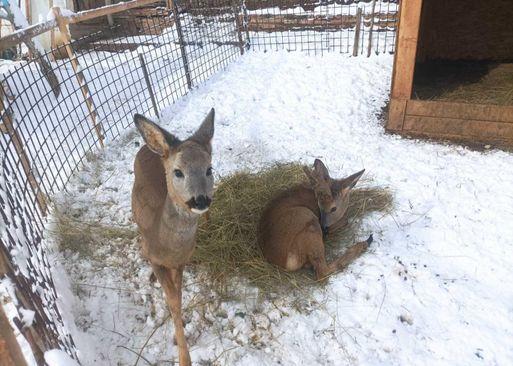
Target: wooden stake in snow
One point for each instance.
(78, 72)
(373, 16)
(357, 29)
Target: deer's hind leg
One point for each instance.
(171, 281)
(317, 258)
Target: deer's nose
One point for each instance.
(202, 202)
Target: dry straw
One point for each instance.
(227, 247)
(227, 253)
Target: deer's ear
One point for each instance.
(347, 183)
(320, 170)
(309, 175)
(205, 132)
(158, 140)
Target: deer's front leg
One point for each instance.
(171, 281)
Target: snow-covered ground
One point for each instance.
(433, 290)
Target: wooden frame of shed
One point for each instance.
(421, 33)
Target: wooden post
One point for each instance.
(110, 19)
(78, 73)
(148, 84)
(8, 127)
(10, 351)
(52, 33)
(357, 29)
(405, 55)
(245, 24)
(182, 44)
(235, 9)
(406, 48)
(369, 50)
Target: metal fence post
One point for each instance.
(235, 9)
(182, 44)
(78, 73)
(245, 23)
(148, 84)
(8, 127)
(357, 30)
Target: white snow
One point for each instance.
(27, 317)
(433, 289)
(56, 357)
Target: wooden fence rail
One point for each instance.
(22, 35)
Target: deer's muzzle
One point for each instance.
(199, 204)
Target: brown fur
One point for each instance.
(166, 221)
(290, 232)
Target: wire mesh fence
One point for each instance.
(356, 27)
(68, 102)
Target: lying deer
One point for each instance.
(292, 225)
(173, 186)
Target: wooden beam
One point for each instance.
(22, 35)
(10, 351)
(472, 131)
(475, 112)
(106, 10)
(406, 48)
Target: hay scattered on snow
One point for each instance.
(87, 237)
(227, 246)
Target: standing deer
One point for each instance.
(173, 186)
(292, 225)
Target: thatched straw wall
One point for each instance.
(466, 29)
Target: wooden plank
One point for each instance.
(396, 112)
(284, 22)
(106, 10)
(10, 351)
(28, 33)
(459, 129)
(19, 36)
(406, 48)
(479, 112)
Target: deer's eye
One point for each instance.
(209, 171)
(178, 173)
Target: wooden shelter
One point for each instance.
(448, 52)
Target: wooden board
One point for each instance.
(475, 112)
(284, 22)
(406, 49)
(454, 121)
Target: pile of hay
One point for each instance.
(466, 82)
(227, 246)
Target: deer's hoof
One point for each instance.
(370, 239)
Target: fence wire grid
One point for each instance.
(56, 110)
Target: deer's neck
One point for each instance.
(177, 217)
